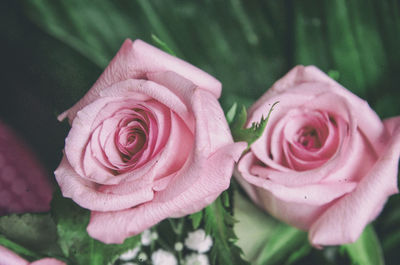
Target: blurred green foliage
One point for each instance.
(52, 51)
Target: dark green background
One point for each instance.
(53, 51)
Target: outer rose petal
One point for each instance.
(47, 261)
(7, 257)
(85, 194)
(181, 86)
(133, 61)
(207, 178)
(205, 175)
(298, 206)
(154, 90)
(311, 194)
(344, 221)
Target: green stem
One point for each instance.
(164, 245)
(177, 227)
(18, 248)
(180, 257)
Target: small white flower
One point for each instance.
(196, 259)
(142, 256)
(154, 236)
(130, 254)
(145, 237)
(178, 246)
(130, 263)
(162, 257)
(199, 241)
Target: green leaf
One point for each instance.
(20, 250)
(366, 250)
(36, 232)
(196, 219)
(230, 114)
(219, 224)
(298, 254)
(162, 45)
(75, 242)
(335, 75)
(205, 33)
(249, 135)
(253, 228)
(282, 243)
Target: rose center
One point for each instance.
(132, 134)
(308, 137)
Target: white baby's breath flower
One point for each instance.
(154, 236)
(146, 238)
(162, 257)
(196, 259)
(178, 246)
(130, 254)
(198, 241)
(142, 256)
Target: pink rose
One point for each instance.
(325, 163)
(7, 257)
(148, 141)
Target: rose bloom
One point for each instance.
(148, 141)
(7, 257)
(326, 163)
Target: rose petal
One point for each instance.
(344, 221)
(205, 180)
(311, 194)
(296, 214)
(392, 125)
(85, 193)
(7, 257)
(182, 87)
(80, 133)
(153, 90)
(134, 60)
(48, 261)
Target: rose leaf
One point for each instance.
(71, 222)
(27, 234)
(282, 243)
(196, 219)
(230, 114)
(366, 250)
(162, 45)
(238, 122)
(219, 224)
